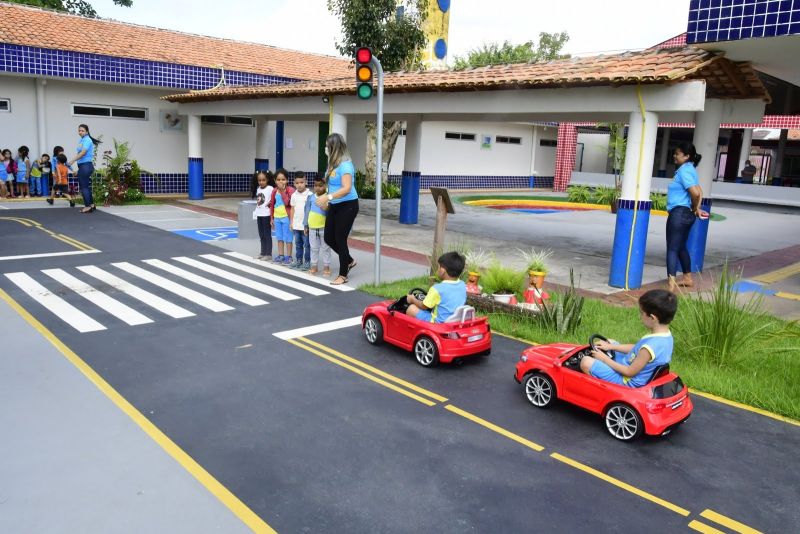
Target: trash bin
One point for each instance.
(409, 198)
(247, 225)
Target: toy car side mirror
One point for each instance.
(556, 362)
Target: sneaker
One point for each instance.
(306, 266)
(279, 259)
(50, 201)
(287, 261)
(266, 258)
(71, 203)
(296, 264)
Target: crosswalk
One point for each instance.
(92, 298)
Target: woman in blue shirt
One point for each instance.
(683, 204)
(341, 203)
(85, 159)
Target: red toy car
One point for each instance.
(553, 371)
(461, 336)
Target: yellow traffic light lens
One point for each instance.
(364, 74)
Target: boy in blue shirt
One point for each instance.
(634, 365)
(442, 298)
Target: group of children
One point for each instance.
(23, 178)
(294, 217)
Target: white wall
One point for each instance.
(19, 126)
(357, 143)
(302, 156)
(545, 160)
(595, 151)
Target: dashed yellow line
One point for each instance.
(779, 274)
(237, 507)
(790, 296)
(494, 428)
(741, 406)
(702, 527)
(30, 223)
(728, 522)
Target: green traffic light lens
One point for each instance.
(364, 91)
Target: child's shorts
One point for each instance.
(61, 188)
(283, 231)
(21, 177)
(604, 372)
(425, 315)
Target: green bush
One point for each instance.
(659, 201)
(119, 180)
(564, 314)
(388, 191)
(498, 279)
(605, 195)
(579, 193)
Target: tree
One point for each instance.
(393, 30)
(76, 7)
(549, 47)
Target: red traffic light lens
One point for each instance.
(363, 55)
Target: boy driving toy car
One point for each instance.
(634, 365)
(443, 298)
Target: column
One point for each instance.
(339, 124)
(279, 126)
(262, 145)
(565, 155)
(534, 144)
(664, 158)
(195, 158)
(633, 211)
(744, 154)
(706, 139)
(778, 163)
(410, 185)
(41, 130)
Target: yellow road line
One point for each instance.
(374, 370)
(728, 522)
(779, 274)
(362, 373)
(620, 484)
(494, 428)
(702, 527)
(247, 516)
(784, 295)
(15, 219)
(741, 406)
(61, 237)
(76, 242)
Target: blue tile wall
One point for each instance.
(80, 66)
(478, 182)
(731, 20)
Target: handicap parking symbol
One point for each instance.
(210, 234)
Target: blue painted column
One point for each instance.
(262, 164)
(409, 197)
(696, 244)
(633, 217)
(279, 131)
(196, 179)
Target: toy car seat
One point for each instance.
(462, 314)
(661, 370)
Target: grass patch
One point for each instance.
(763, 373)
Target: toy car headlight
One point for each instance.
(523, 358)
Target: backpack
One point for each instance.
(286, 196)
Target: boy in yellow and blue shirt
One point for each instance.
(442, 298)
(314, 224)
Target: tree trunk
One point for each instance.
(391, 131)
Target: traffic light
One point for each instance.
(364, 88)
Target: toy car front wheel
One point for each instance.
(426, 352)
(373, 330)
(540, 390)
(623, 422)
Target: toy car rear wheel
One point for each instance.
(373, 330)
(540, 390)
(426, 352)
(623, 422)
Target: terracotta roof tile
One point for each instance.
(22, 25)
(649, 66)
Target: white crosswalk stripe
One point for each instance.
(285, 270)
(61, 308)
(112, 306)
(258, 286)
(267, 276)
(208, 284)
(168, 285)
(148, 298)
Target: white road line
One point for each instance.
(222, 273)
(168, 220)
(48, 255)
(208, 284)
(60, 307)
(112, 306)
(267, 276)
(168, 285)
(285, 270)
(138, 293)
(318, 328)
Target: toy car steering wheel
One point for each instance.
(593, 339)
(418, 293)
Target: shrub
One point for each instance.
(498, 279)
(605, 195)
(579, 193)
(119, 180)
(563, 315)
(659, 201)
(477, 259)
(535, 260)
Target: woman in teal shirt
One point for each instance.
(683, 204)
(341, 203)
(85, 159)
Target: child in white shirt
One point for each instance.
(298, 203)
(262, 214)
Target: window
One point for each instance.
(118, 112)
(222, 119)
(548, 142)
(5, 104)
(460, 136)
(403, 132)
(508, 140)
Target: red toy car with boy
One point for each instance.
(553, 371)
(463, 335)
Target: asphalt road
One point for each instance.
(311, 441)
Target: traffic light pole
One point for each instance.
(378, 169)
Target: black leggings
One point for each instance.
(338, 224)
(265, 235)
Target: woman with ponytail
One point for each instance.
(85, 160)
(683, 204)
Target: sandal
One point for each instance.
(336, 282)
(313, 270)
(350, 267)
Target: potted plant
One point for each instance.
(607, 195)
(502, 282)
(477, 260)
(536, 265)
